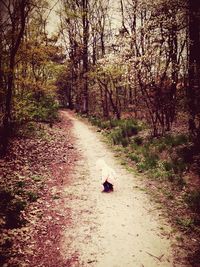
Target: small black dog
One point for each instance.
(108, 187)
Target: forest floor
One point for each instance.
(72, 223)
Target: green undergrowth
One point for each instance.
(119, 132)
(29, 120)
(164, 160)
(33, 130)
(160, 158)
(31, 108)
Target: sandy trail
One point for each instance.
(118, 229)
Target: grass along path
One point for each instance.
(117, 229)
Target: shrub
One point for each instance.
(151, 160)
(141, 167)
(168, 166)
(159, 144)
(124, 142)
(181, 139)
(128, 128)
(28, 108)
(102, 124)
(46, 109)
(169, 141)
(173, 141)
(120, 130)
(179, 166)
(95, 121)
(160, 174)
(114, 123)
(138, 140)
(118, 138)
(134, 157)
(105, 125)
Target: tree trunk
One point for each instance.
(170, 110)
(85, 55)
(16, 38)
(193, 90)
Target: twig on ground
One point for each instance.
(158, 258)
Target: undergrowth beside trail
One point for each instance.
(31, 176)
(168, 165)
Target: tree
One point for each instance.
(83, 27)
(38, 65)
(29, 63)
(152, 44)
(193, 91)
(85, 21)
(158, 33)
(14, 19)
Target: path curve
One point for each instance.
(118, 229)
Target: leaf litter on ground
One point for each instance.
(32, 176)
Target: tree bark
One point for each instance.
(85, 55)
(16, 38)
(193, 90)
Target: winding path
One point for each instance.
(118, 229)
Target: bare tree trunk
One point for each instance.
(85, 55)
(193, 90)
(16, 38)
(104, 102)
(102, 45)
(94, 50)
(124, 29)
(1, 74)
(170, 111)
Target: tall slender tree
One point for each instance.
(85, 21)
(14, 14)
(193, 91)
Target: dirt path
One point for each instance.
(118, 229)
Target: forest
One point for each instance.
(131, 68)
(146, 65)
